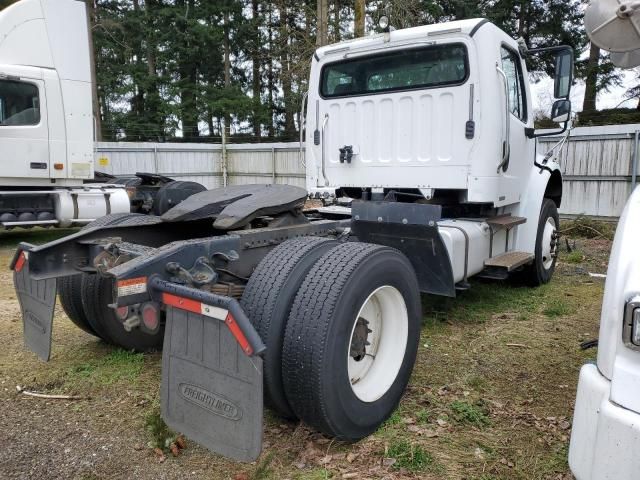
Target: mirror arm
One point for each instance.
(531, 132)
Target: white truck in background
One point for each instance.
(47, 176)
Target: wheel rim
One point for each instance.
(378, 343)
(548, 243)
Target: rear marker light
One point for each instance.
(122, 313)
(22, 259)
(150, 317)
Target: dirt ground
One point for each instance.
(491, 396)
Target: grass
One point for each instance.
(410, 456)
(116, 366)
(263, 470)
(475, 414)
(585, 227)
(557, 308)
(37, 236)
(473, 401)
(575, 257)
(482, 302)
(160, 435)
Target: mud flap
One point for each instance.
(37, 301)
(211, 390)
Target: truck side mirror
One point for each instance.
(564, 74)
(561, 111)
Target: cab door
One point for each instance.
(24, 137)
(516, 167)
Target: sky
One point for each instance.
(542, 93)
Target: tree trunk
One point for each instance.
(256, 84)
(337, 34)
(97, 116)
(322, 37)
(271, 76)
(227, 71)
(153, 93)
(591, 80)
(188, 76)
(285, 62)
(359, 18)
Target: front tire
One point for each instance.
(544, 265)
(351, 340)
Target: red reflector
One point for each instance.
(182, 303)
(235, 330)
(122, 313)
(22, 259)
(150, 316)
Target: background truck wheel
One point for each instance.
(541, 271)
(267, 301)
(351, 339)
(70, 289)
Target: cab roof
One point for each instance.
(409, 35)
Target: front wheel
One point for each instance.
(351, 340)
(541, 271)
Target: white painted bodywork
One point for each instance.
(605, 439)
(416, 138)
(45, 43)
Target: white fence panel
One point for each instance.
(598, 165)
(598, 168)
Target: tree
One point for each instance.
(359, 21)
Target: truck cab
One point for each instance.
(47, 126)
(46, 115)
(440, 114)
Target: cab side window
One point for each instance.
(512, 67)
(19, 104)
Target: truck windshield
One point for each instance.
(429, 67)
(19, 103)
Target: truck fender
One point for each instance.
(542, 183)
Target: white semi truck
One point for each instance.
(421, 143)
(47, 126)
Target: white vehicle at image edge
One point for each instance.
(605, 439)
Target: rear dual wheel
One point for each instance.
(85, 298)
(341, 332)
(267, 301)
(351, 340)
